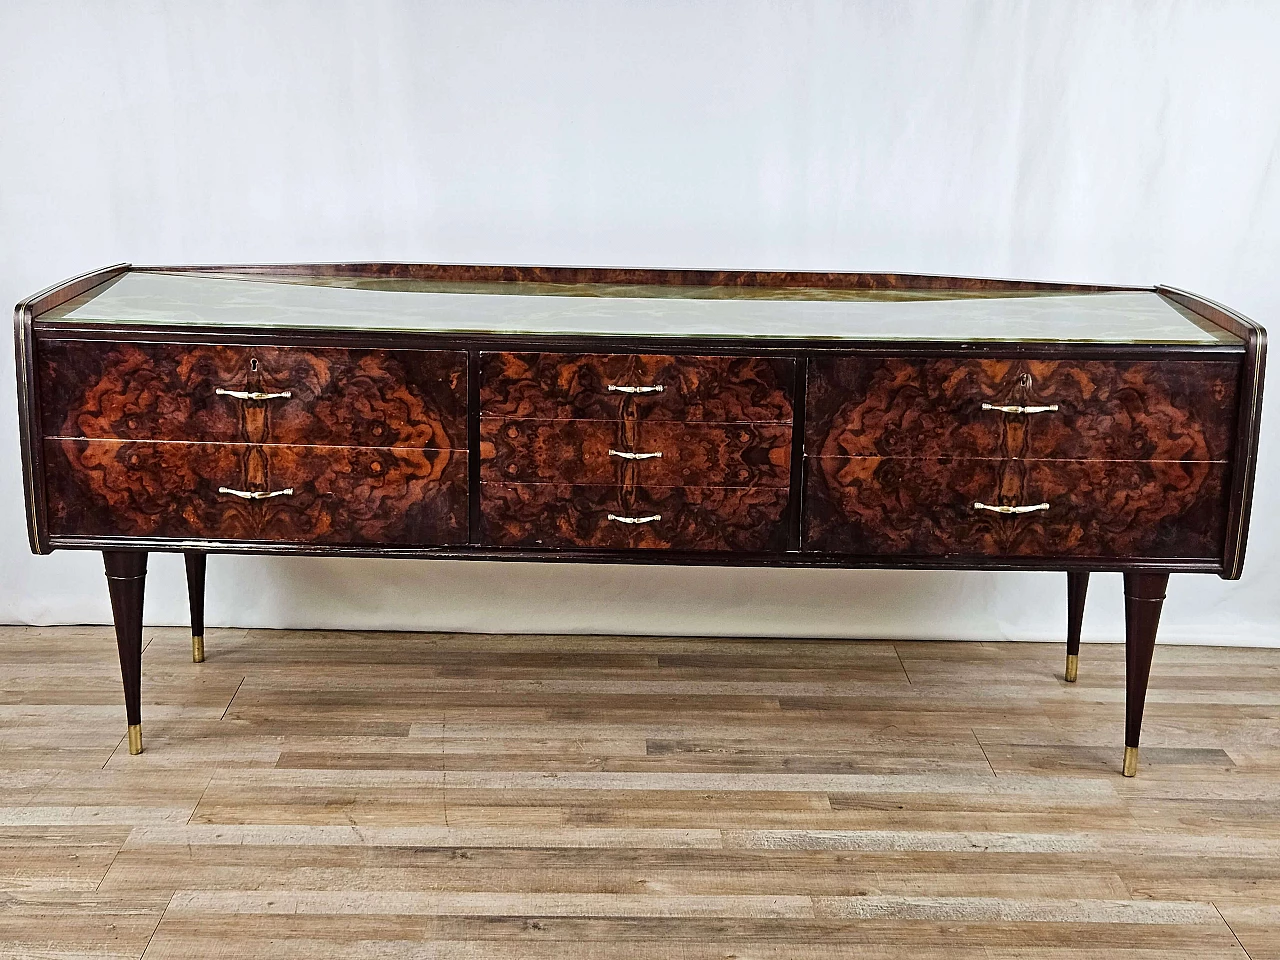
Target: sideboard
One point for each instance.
(639, 416)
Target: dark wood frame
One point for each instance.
(1144, 576)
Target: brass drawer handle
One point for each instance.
(615, 517)
(615, 388)
(253, 394)
(257, 494)
(634, 456)
(1032, 508)
(1015, 408)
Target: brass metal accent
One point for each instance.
(1130, 761)
(135, 739)
(257, 494)
(1031, 508)
(1073, 667)
(1016, 408)
(615, 388)
(649, 519)
(197, 649)
(253, 394)
(634, 456)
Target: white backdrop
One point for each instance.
(1118, 142)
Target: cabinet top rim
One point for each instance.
(684, 305)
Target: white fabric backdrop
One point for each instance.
(1117, 142)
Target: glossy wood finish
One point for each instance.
(1077, 589)
(553, 386)
(1143, 600)
(392, 795)
(195, 563)
(592, 452)
(126, 581)
(340, 494)
(556, 516)
(338, 397)
(1145, 410)
(1097, 508)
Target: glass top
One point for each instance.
(518, 308)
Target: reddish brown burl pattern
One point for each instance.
(1097, 508)
(167, 391)
(357, 495)
(579, 451)
(556, 386)
(550, 515)
(1157, 410)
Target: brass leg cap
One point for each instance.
(1073, 667)
(135, 739)
(197, 649)
(1130, 761)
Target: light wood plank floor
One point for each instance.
(451, 796)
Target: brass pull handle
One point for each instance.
(1015, 408)
(1031, 508)
(618, 519)
(253, 394)
(634, 456)
(615, 388)
(257, 494)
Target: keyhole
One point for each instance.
(1026, 380)
(253, 364)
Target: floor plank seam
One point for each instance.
(902, 663)
(1243, 948)
(227, 708)
(156, 929)
(978, 741)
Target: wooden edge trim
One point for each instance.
(1248, 419)
(461, 272)
(28, 395)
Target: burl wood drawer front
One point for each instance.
(1095, 508)
(185, 391)
(1105, 410)
(559, 386)
(553, 515)
(653, 452)
(312, 494)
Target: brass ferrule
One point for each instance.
(135, 739)
(197, 649)
(1073, 667)
(1130, 761)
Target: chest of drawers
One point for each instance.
(688, 417)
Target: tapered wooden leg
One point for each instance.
(195, 594)
(1143, 598)
(126, 577)
(1077, 587)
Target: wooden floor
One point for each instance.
(450, 796)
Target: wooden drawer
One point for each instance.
(559, 386)
(601, 452)
(356, 495)
(170, 391)
(553, 515)
(1106, 410)
(1096, 508)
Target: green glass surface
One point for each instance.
(377, 304)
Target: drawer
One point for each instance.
(357, 495)
(1096, 508)
(652, 452)
(553, 515)
(1146, 410)
(560, 386)
(170, 391)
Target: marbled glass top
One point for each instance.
(319, 303)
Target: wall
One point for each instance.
(1120, 142)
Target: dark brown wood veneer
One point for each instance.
(814, 451)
